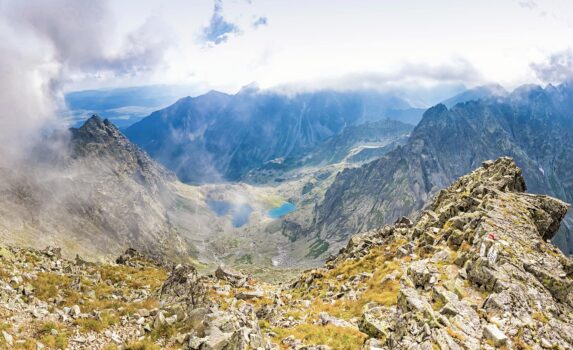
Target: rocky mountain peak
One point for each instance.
(101, 141)
(95, 121)
(93, 190)
(496, 178)
(98, 130)
(474, 271)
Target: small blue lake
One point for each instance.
(239, 212)
(220, 208)
(281, 211)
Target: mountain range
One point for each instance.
(333, 158)
(533, 125)
(218, 137)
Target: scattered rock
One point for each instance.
(325, 319)
(230, 275)
(248, 295)
(492, 333)
(8, 338)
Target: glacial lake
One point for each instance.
(281, 211)
(239, 212)
(220, 208)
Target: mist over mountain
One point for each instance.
(533, 125)
(477, 93)
(91, 191)
(217, 136)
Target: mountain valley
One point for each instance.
(474, 271)
(286, 175)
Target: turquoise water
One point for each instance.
(281, 211)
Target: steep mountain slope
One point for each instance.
(533, 125)
(474, 272)
(356, 144)
(355, 138)
(217, 136)
(90, 191)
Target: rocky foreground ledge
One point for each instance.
(475, 271)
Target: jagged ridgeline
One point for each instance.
(475, 271)
(533, 125)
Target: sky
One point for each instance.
(226, 44)
(50, 47)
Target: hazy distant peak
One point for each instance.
(215, 93)
(437, 109)
(477, 93)
(526, 89)
(494, 87)
(250, 88)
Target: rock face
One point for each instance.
(473, 271)
(217, 137)
(230, 275)
(91, 191)
(184, 288)
(532, 125)
(100, 141)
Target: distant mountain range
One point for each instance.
(387, 168)
(128, 105)
(216, 137)
(533, 125)
(123, 106)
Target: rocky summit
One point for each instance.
(475, 270)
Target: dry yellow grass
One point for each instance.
(339, 338)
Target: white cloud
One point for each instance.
(219, 29)
(528, 4)
(260, 21)
(108, 44)
(556, 68)
(45, 44)
(457, 71)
